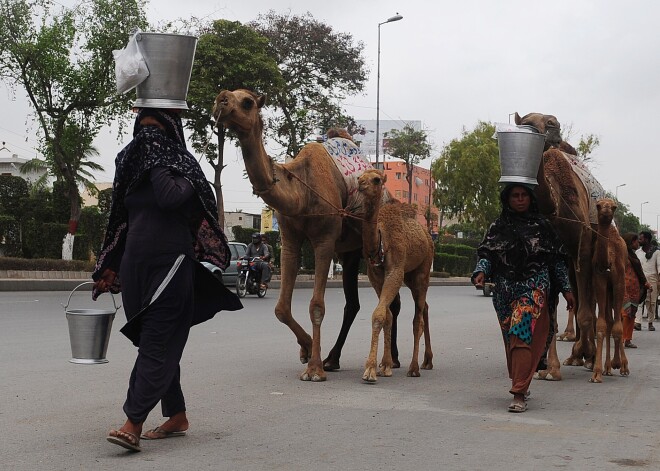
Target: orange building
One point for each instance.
(422, 189)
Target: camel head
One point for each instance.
(339, 132)
(605, 208)
(371, 183)
(239, 110)
(546, 124)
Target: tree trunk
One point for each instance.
(67, 242)
(409, 171)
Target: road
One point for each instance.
(249, 411)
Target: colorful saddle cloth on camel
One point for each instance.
(352, 163)
(594, 189)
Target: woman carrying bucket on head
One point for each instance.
(523, 256)
(162, 221)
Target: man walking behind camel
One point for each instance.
(649, 256)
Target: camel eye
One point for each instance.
(247, 104)
(377, 181)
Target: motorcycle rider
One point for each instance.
(260, 250)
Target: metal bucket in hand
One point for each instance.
(169, 58)
(89, 331)
(521, 149)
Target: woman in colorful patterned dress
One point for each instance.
(523, 256)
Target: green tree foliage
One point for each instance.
(229, 55)
(320, 68)
(412, 147)
(63, 61)
(467, 174)
(13, 192)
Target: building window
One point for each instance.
(415, 197)
(398, 175)
(397, 193)
(426, 200)
(405, 194)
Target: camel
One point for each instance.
(399, 250)
(309, 194)
(563, 198)
(609, 263)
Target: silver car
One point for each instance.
(229, 276)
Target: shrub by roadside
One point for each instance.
(45, 264)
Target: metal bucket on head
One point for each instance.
(89, 331)
(169, 58)
(521, 149)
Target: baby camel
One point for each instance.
(398, 250)
(609, 259)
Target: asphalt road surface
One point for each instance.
(249, 411)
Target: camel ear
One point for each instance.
(384, 177)
(261, 101)
(517, 118)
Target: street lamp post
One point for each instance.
(616, 191)
(396, 17)
(657, 234)
(641, 208)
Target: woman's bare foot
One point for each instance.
(128, 436)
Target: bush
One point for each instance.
(45, 264)
(456, 265)
(458, 249)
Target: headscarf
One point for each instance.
(629, 238)
(520, 244)
(154, 147)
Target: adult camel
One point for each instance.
(309, 194)
(565, 200)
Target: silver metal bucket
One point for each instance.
(169, 58)
(521, 149)
(89, 331)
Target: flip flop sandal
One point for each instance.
(516, 406)
(162, 434)
(131, 442)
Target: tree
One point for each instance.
(412, 147)
(64, 63)
(467, 174)
(320, 68)
(229, 55)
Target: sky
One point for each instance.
(450, 64)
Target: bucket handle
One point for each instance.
(89, 283)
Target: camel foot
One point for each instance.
(427, 364)
(304, 355)
(386, 372)
(315, 375)
(616, 364)
(573, 362)
(548, 375)
(596, 379)
(370, 375)
(589, 364)
(624, 370)
(331, 364)
(566, 337)
(413, 373)
(396, 363)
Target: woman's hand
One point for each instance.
(107, 279)
(648, 286)
(478, 280)
(570, 300)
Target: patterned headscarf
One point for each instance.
(154, 147)
(519, 245)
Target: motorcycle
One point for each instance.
(249, 278)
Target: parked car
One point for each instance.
(229, 276)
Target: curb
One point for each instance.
(68, 284)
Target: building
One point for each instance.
(367, 141)
(422, 189)
(239, 218)
(10, 164)
(268, 220)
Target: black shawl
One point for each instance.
(154, 147)
(519, 245)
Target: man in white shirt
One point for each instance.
(649, 256)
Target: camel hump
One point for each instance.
(339, 132)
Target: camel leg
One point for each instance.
(552, 373)
(620, 361)
(351, 266)
(427, 364)
(323, 252)
(569, 331)
(290, 261)
(585, 316)
(386, 361)
(395, 309)
(417, 281)
(378, 319)
(387, 289)
(601, 332)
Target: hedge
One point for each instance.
(45, 264)
(455, 265)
